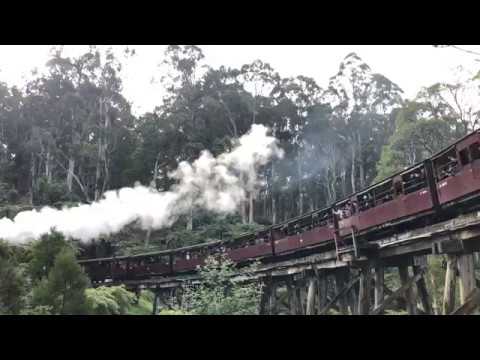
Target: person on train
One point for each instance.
(451, 166)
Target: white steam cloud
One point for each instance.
(217, 184)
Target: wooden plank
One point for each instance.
(472, 302)
(339, 294)
(397, 294)
(365, 289)
(450, 282)
(410, 297)
(466, 272)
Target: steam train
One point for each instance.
(437, 187)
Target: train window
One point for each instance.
(414, 180)
(464, 157)
(365, 201)
(446, 164)
(475, 151)
(383, 193)
(346, 209)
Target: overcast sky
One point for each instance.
(411, 67)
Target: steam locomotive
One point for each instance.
(438, 187)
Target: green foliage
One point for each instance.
(113, 300)
(12, 282)
(64, 289)
(43, 254)
(144, 305)
(415, 139)
(8, 194)
(50, 192)
(219, 294)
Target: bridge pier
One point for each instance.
(312, 291)
(466, 272)
(379, 284)
(155, 302)
(322, 287)
(340, 281)
(422, 289)
(365, 287)
(410, 296)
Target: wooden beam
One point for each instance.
(312, 289)
(339, 294)
(410, 297)
(472, 301)
(364, 291)
(397, 293)
(422, 290)
(450, 282)
(466, 272)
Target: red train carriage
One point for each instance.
(447, 178)
(457, 169)
(401, 196)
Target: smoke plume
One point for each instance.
(218, 184)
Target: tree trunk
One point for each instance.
(102, 163)
(190, 220)
(147, 237)
(71, 169)
(360, 162)
(343, 177)
(274, 209)
(243, 211)
(32, 174)
(266, 208)
(98, 170)
(48, 169)
(250, 207)
(300, 186)
(352, 174)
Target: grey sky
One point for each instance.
(411, 67)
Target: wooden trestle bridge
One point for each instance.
(352, 282)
